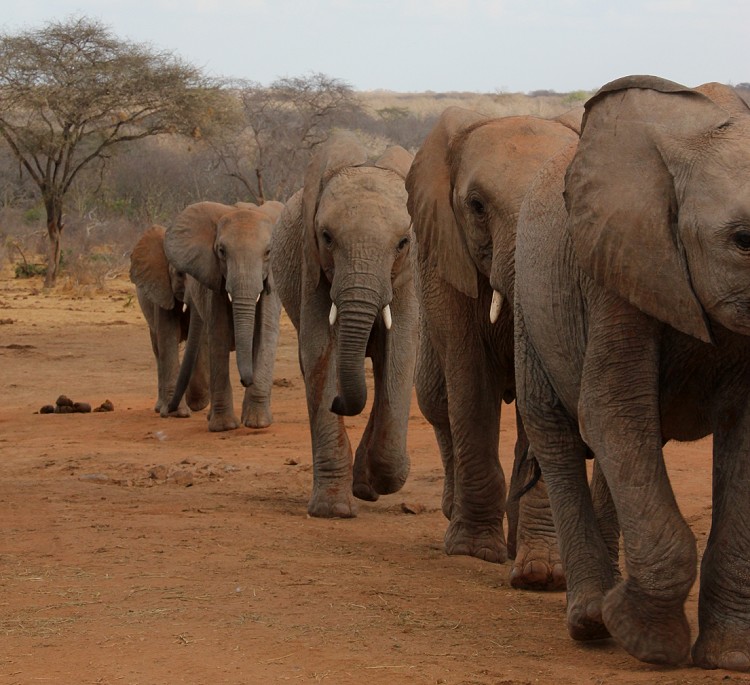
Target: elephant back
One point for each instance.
(149, 268)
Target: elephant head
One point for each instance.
(465, 191)
(356, 239)
(658, 203)
(227, 250)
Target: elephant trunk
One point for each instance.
(356, 319)
(189, 358)
(243, 313)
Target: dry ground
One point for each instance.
(135, 549)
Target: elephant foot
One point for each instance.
(584, 617)
(656, 634)
(363, 490)
(331, 501)
(723, 646)
(182, 412)
(196, 402)
(222, 422)
(373, 478)
(257, 416)
(538, 567)
(485, 542)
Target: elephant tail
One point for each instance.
(189, 359)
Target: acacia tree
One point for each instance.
(70, 91)
(277, 129)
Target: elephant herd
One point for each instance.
(594, 268)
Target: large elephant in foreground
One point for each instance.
(225, 250)
(632, 329)
(341, 258)
(160, 289)
(465, 190)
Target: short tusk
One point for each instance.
(497, 303)
(229, 295)
(184, 307)
(257, 299)
(387, 319)
(334, 313)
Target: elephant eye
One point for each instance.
(477, 207)
(327, 237)
(742, 240)
(402, 243)
(221, 251)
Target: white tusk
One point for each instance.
(334, 313)
(229, 295)
(497, 303)
(257, 299)
(184, 307)
(387, 320)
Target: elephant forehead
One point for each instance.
(503, 144)
(245, 226)
(364, 195)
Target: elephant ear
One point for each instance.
(430, 190)
(189, 242)
(572, 119)
(395, 159)
(621, 199)
(149, 268)
(341, 150)
(272, 208)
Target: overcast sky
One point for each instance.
(438, 45)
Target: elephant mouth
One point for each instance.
(386, 316)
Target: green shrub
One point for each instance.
(30, 269)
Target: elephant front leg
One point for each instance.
(221, 416)
(432, 397)
(168, 361)
(619, 418)
(724, 603)
(256, 405)
(476, 524)
(556, 444)
(331, 451)
(381, 463)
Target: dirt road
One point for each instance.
(141, 550)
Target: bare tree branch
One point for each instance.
(71, 90)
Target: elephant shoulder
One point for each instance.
(286, 255)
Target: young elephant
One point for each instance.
(226, 253)
(465, 190)
(341, 257)
(633, 328)
(160, 289)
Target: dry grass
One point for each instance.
(490, 104)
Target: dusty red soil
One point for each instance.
(141, 550)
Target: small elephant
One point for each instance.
(465, 190)
(225, 251)
(632, 328)
(160, 289)
(341, 258)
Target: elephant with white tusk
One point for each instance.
(342, 262)
(632, 328)
(466, 186)
(225, 251)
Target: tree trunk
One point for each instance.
(53, 207)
